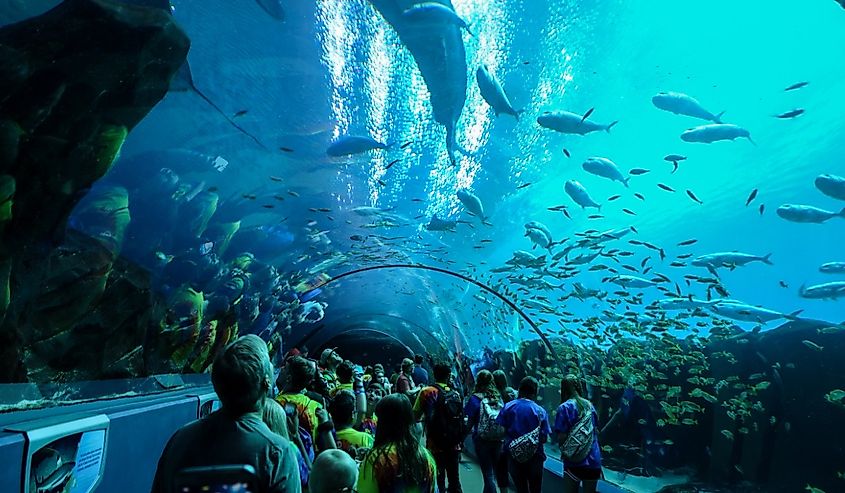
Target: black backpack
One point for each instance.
(446, 427)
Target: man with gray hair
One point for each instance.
(235, 434)
(334, 471)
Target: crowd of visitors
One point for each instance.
(331, 426)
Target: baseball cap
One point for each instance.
(324, 356)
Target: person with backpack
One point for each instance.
(576, 425)
(481, 410)
(441, 409)
(526, 430)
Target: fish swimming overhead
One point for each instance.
(690, 303)
(522, 258)
(707, 134)
(440, 55)
(807, 213)
(681, 104)
(737, 310)
(632, 282)
(433, 14)
(570, 123)
(605, 168)
(471, 203)
(833, 268)
(494, 94)
(437, 224)
(831, 185)
(273, 8)
(675, 159)
(826, 291)
(346, 145)
(729, 259)
(580, 195)
(790, 114)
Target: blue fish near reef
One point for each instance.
(570, 123)
(346, 145)
(707, 134)
(806, 213)
(434, 14)
(580, 195)
(493, 93)
(605, 168)
(831, 185)
(681, 104)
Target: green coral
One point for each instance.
(7, 194)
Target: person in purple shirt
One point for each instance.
(519, 417)
(572, 408)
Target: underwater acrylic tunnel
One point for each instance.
(643, 196)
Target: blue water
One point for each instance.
(336, 67)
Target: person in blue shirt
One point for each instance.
(484, 402)
(572, 409)
(520, 417)
(420, 374)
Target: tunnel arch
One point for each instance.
(453, 274)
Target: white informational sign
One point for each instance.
(89, 460)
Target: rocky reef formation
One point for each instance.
(73, 82)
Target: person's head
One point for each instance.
(273, 415)
(345, 371)
(407, 365)
(242, 375)
(395, 419)
(378, 370)
(484, 383)
(528, 388)
(501, 380)
(442, 372)
(375, 393)
(330, 359)
(395, 433)
(342, 409)
(299, 373)
(418, 359)
(333, 471)
(570, 388)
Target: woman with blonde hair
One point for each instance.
(576, 426)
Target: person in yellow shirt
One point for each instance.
(312, 417)
(355, 443)
(382, 470)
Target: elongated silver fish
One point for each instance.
(570, 123)
(707, 134)
(681, 104)
(494, 94)
(807, 213)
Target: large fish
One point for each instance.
(522, 258)
(707, 134)
(434, 14)
(273, 8)
(346, 145)
(441, 57)
(493, 93)
(605, 168)
(471, 203)
(681, 104)
(826, 291)
(833, 268)
(580, 195)
(806, 213)
(831, 185)
(729, 259)
(737, 310)
(570, 123)
(670, 304)
(632, 282)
